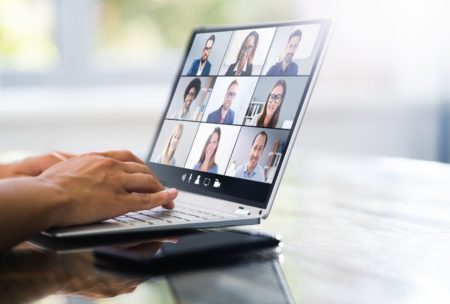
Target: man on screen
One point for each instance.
(224, 114)
(286, 67)
(202, 67)
(251, 169)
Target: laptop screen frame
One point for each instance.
(325, 29)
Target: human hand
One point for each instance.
(99, 186)
(33, 166)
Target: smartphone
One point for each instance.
(194, 249)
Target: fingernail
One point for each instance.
(172, 191)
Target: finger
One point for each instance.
(63, 155)
(122, 155)
(59, 156)
(37, 165)
(142, 201)
(132, 167)
(170, 205)
(140, 182)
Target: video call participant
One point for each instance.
(286, 67)
(202, 66)
(190, 93)
(207, 162)
(271, 112)
(167, 156)
(243, 65)
(251, 169)
(224, 114)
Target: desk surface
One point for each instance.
(354, 231)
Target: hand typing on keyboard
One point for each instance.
(80, 190)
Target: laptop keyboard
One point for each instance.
(164, 217)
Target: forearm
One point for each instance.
(6, 171)
(28, 205)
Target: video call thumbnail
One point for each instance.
(206, 54)
(291, 51)
(247, 52)
(190, 98)
(257, 154)
(174, 142)
(212, 148)
(275, 102)
(229, 100)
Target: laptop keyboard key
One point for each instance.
(164, 217)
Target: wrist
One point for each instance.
(56, 201)
(29, 205)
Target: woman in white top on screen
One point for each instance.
(167, 157)
(271, 112)
(207, 161)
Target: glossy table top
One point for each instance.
(354, 230)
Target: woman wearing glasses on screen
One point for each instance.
(167, 157)
(207, 161)
(243, 65)
(271, 112)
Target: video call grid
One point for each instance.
(241, 125)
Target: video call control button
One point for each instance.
(217, 183)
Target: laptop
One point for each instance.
(227, 132)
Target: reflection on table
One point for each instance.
(29, 275)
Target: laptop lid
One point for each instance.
(235, 110)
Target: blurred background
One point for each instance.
(95, 74)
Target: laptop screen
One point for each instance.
(234, 107)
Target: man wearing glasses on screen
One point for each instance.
(224, 114)
(202, 67)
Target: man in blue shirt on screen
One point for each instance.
(286, 67)
(251, 169)
(202, 67)
(224, 114)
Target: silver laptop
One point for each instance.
(227, 132)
